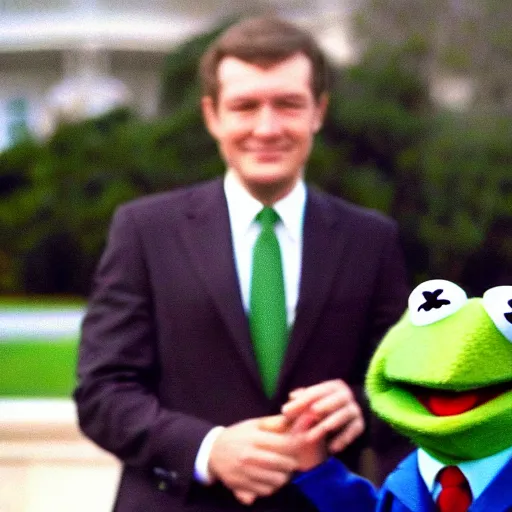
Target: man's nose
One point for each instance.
(267, 122)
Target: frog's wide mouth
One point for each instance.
(441, 402)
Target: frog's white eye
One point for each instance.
(434, 300)
(498, 304)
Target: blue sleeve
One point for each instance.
(331, 487)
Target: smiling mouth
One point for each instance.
(269, 156)
(269, 151)
(450, 403)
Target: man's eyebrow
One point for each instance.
(242, 97)
(241, 101)
(291, 97)
(295, 96)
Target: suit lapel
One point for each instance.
(497, 496)
(408, 487)
(323, 243)
(207, 236)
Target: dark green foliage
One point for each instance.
(59, 196)
(466, 164)
(181, 88)
(374, 125)
(446, 178)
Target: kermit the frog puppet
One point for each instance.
(442, 376)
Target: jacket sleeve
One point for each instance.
(331, 487)
(118, 370)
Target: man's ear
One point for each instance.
(321, 109)
(210, 115)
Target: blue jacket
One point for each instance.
(332, 488)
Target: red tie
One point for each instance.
(455, 493)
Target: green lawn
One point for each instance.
(38, 348)
(37, 369)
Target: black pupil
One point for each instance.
(508, 316)
(432, 301)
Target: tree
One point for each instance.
(460, 180)
(465, 42)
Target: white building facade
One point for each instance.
(74, 58)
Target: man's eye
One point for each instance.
(243, 107)
(292, 105)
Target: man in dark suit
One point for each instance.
(169, 378)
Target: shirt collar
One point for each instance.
(243, 207)
(479, 473)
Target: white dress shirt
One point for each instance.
(478, 473)
(243, 208)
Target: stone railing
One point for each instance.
(46, 465)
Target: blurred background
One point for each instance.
(99, 105)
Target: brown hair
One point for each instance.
(264, 41)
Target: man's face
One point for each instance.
(264, 122)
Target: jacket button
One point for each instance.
(162, 485)
(165, 479)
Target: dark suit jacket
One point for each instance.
(166, 353)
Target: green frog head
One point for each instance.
(442, 376)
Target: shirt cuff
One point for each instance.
(201, 472)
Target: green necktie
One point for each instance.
(267, 316)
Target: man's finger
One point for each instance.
(330, 403)
(304, 398)
(303, 423)
(264, 479)
(245, 497)
(334, 422)
(262, 459)
(295, 393)
(277, 424)
(347, 436)
(299, 404)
